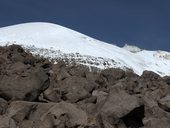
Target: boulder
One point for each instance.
(19, 80)
(118, 104)
(164, 103)
(101, 95)
(150, 75)
(46, 115)
(23, 87)
(75, 88)
(113, 74)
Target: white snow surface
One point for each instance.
(52, 41)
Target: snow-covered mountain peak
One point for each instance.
(47, 35)
(57, 42)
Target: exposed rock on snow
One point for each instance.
(131, 48)
(162, 54)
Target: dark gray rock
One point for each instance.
(19, 80)
(117, 105)
(150, 75)
(75, 88)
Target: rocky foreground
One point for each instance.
(35, 93)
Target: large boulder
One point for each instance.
(118, 104)
(75, 88)
(108, 77)
(43, 115)
(113, 74)
(26, 85)
(164, 103)
(155, 116)
(21, 80)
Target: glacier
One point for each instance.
(57, 42)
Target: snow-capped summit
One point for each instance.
(54, 41)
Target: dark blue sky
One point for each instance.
(145, 23)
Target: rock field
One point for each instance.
(34, 93)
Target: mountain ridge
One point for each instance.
(53, 41)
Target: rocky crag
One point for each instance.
(35, 93)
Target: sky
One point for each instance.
(144, 23)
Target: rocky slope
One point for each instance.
(35, 93)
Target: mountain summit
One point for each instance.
(56, 42)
